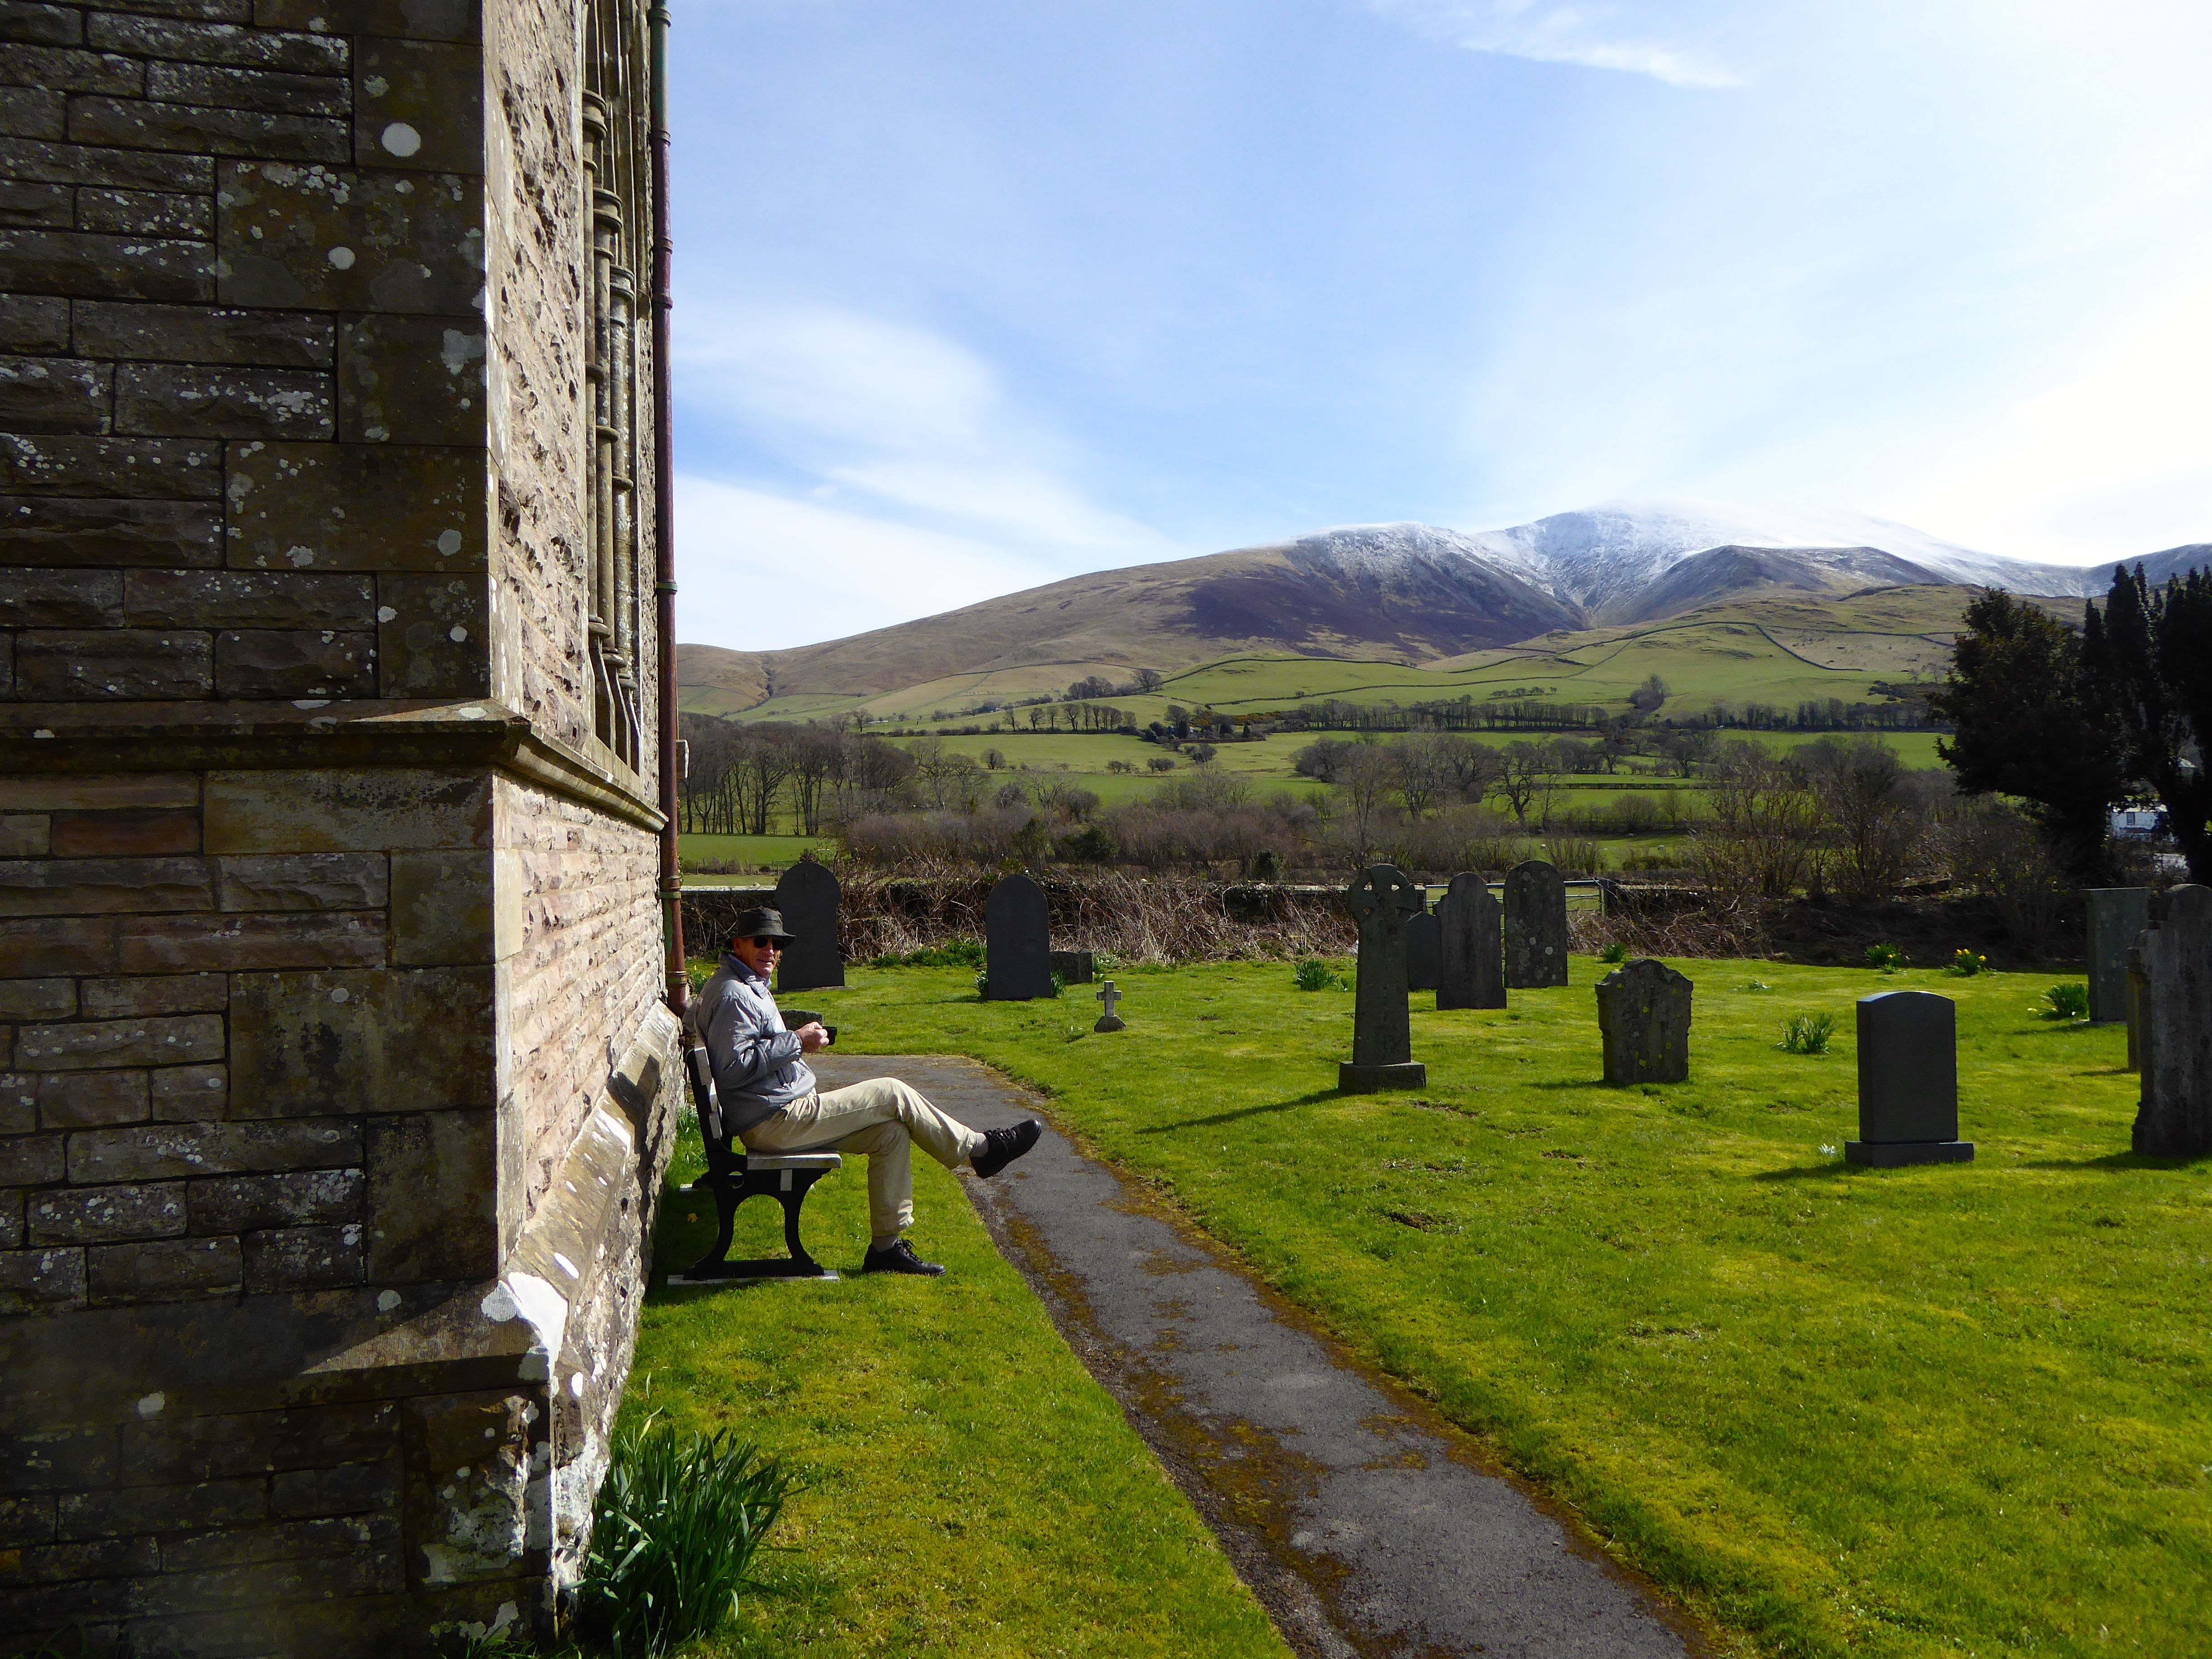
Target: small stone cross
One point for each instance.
(1109, 1021)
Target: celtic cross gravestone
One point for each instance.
(1382, 901)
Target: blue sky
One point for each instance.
(973, 296)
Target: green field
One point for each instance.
(970, 1492)
(749, 852)
(1954, 1409)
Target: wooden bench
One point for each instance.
(734, 1175)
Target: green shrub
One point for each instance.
(1887, 958)
(1807, 1034)
(2068, 1002)
(1966, 964)
(1315, 975)
(679, 1521)
(1615, 951)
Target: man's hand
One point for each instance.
(813, 1036)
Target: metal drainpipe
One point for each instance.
(664, 516)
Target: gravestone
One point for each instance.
(1535, 926)
(807, 894)
(1424, 951)
(2173, 1028)
(1644, 1020)
(1908, 1045)
(1016, 942)
(2116, 914)
(1382, 900)
(1074, 967)
(1471, 966)
(1111, 1021)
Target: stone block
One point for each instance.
(239, 598)
(165, 1151)
(165, 993)
(419, 19)
(203, 334)
(55, 394)
(25, 835)
(91, 1100)
(33, 322)
(212, 11)
(346, 810)
(32, 112)
(419, 105)
(293, 1540)
(41, 1281)
(184, 41)
(312, 1199)
(31, 1160)
(61, 599)
(36, 204)
(46, 25)
(37, 998)
(303, 881)
(57, 1461)
(341, 240)
(108, 1558)
(53, 887)
(433, 636)
(99, 1215)
(357, 506)
(404, 379)
(142, 1510)
(198, 129)
(125, 168)
(442, 908)
(181, 399)
(123, 835)
(178, 469)
(93, 1045)
(222, 1448)
(431, 1197)
(188, 1092)
(101, 267)
(11, 1210)
(347, 1489)
(61, 665)
(28, 1520)
(222, 86)
(257, 663)
(162, 1270)
(146, 213)
(332, 1581)
(178, 945)
(65, 69)
(19, 1102)
(97, 791)
(390, 1041)
(55, 531)
(303, 1259)
(31, 946)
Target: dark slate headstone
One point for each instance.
(1075, 967)
(1908, 1045)
(1382, 901)
(2173, 1028)
(1424, 946)
(1535, 926)
(807, 895)
(1016, 942)
(1471, 968)
(1644, 1018)
(2116, 914)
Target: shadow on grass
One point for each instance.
(1574, 1083)
(1216, 1118)
(1837, 1171)
(2115, 1161)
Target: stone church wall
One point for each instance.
(335, 1083)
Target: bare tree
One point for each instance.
(1526, 771)
(1365, 780)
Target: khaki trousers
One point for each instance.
(881, 1119)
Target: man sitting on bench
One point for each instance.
(769, 1101)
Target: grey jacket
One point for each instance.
(758, 1068)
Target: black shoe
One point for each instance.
(898, 1258)
(1002, 1147)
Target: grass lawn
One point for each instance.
(1949, 1409)
(778, 852)
(972, 1492)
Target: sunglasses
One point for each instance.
(768, 944)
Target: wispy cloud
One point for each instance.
(921, 485)
(1606, 36)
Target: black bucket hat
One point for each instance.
(760, 924)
